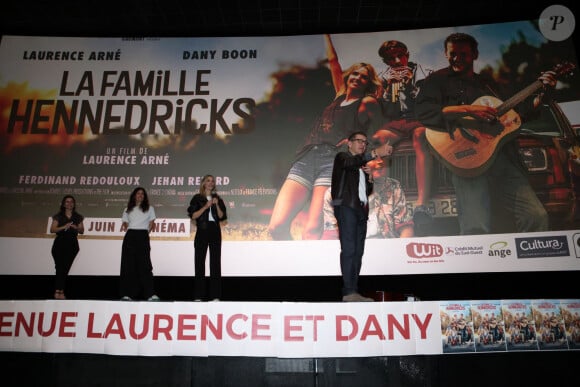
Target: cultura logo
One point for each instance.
(542, 247)
(424, 250)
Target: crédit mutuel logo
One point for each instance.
(542, 247)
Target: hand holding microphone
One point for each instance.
(214, 198)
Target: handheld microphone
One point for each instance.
(214, 195)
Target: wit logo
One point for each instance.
(424, 250)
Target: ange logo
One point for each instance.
(424, 250)
(499, 249)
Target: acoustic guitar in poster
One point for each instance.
(470, 149)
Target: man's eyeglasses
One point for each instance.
(360, 140)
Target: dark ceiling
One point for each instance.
(187, 18)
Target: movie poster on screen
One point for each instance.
(571, 316)
(550, 325)
(488, 326)
(98, 117)
(520, 327)
(456, 326)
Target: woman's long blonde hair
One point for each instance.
(374, 87)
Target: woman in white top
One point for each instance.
(136, 269)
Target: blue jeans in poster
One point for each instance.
(505, 181)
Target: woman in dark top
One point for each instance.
(208, 210)
(67, 224)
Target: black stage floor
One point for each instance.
(426, 287)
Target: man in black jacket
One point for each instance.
(351, 186)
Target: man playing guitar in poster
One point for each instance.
(446, 103)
